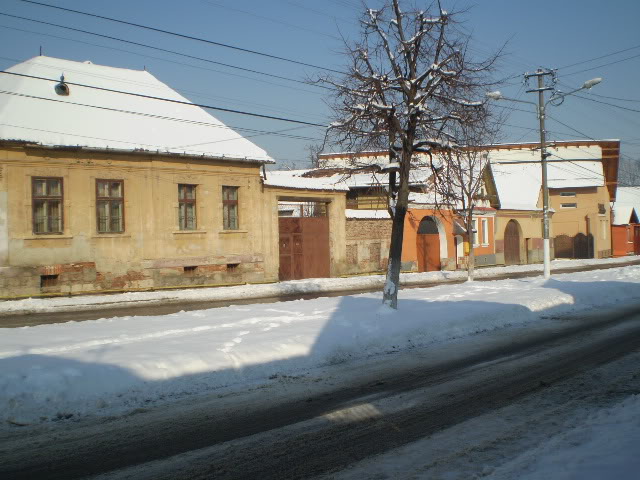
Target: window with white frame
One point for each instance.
(568, 205)
(485, 231)
(567, 194)
(474, 228)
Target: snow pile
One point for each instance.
(293, 287)
(112, 366)
(604, 445)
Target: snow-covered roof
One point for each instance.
(623, 214)
(519, 184)
(319, 180)
(294, 179)
(32, 111)
(367, 214)
(627, 202)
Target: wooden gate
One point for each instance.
(304, 247)
(428, 245)
(512, 243)
(636, 239)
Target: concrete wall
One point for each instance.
(152, 251)
(367, 246)
(531, 243)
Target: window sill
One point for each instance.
(111, 235)
(47, 237)
(225, 232)
(188, 232)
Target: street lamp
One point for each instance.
(540, 109)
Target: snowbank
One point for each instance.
(256, 291)
(111, 366)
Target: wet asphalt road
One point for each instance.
(303, 436)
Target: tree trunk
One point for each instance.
(392, 283)
(471, 263)
(471, 260)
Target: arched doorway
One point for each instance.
(428, 245)
(512, 243)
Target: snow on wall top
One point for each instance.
(123, 122)
(368, 214)
(294, 179)
(519, 184)
(338, 181)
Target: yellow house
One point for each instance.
(103, 190)
(582, 179)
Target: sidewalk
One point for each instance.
(293, 288)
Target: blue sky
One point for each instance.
(550, 34)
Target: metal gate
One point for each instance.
(304, 247)
(578, 246)
(512, 243)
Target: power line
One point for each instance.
(173, 52)
(607, 103)
(181, 35)
(269, 19)
(615, 98)
(181, 102)
(600, 66)
(598, 58)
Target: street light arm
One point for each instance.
(585, 86)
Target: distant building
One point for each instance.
(625, 229)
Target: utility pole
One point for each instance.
(540, 74)
(557, 97)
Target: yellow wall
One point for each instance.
(152, 251)
(586, 217)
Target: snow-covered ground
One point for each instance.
(114, 365)
(256, 291)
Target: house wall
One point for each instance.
(152, 251)
(585, 218)
(367, 245)
(531, 243)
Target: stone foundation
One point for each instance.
(84, 277)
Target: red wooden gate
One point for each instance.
(428, 245)
(636, 239)
(512, 244)
(304, 247)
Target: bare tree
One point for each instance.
(410, 79)
(460, 174)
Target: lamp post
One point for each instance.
(540, 109)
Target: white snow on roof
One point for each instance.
(367, 214)
(627, 200)
(519, 184)
(122, 122)
(622, 214)
(339, 181)
(294, 179)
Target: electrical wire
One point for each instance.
(180, 102)
(180, 35)
(165, 50)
